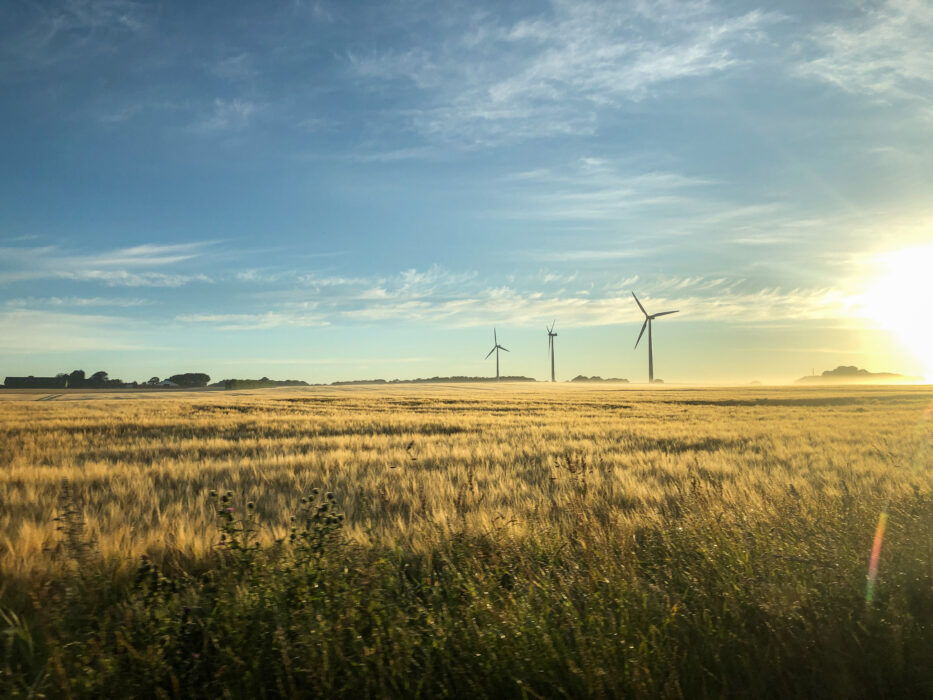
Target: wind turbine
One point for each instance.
(648, 320)
(550, 344)
(495, 349)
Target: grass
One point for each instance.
(483, 541)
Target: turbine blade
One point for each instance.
(490, 353)
(502, 348)
(643, 327)
(665, 313)
(494, 336)
(639, 305)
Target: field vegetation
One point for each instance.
(481, 541)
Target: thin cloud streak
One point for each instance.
(75, 302)
(30, 331)
(884, 54)
(119, 267)
(552, 75)
(438, 297)
(251, 322)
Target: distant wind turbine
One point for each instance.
(495, 349)
(550, 344)
(648, 320)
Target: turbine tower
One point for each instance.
(550, 344)
(495, 349)
(648, 320)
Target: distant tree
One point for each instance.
(190, 379)
(153, 380)
(98, 379)
(76, 378)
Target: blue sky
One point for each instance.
(325, 190)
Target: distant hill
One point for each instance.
(434, 380)
(594, 378)
(850, 374)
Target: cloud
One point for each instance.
(235, 68)
(75, 302)
(30, 331)
(440, 297)
(117, 267)
(227, 115)
(40, 35)
(554, 73)
(577, 309)
(594, 189)
(586, 255)
(884, 54)
(256, 321)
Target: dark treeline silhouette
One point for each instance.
(263, 383)
(595, 378)
(78, 379)
(190, 379)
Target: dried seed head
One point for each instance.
(329, 496)
(315, 492)
(250, 505)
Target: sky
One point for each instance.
(332, 190)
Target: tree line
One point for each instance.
(99, 380)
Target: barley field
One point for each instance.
(480, 540)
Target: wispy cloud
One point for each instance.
(75, 302)
(884, 53)
(439, 297)
(129, 267)
(31, 331)
(595, 189)
(498, 81)
(257, 321)
(43, 34)
(227, 115)
(576, 309)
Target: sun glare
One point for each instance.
(900, 299)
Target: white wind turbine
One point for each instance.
(648, 320)
(495, 349)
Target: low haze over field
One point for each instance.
(340, 190)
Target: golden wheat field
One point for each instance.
(410, 464)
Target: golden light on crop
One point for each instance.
(900, 299)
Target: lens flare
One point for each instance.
(876, 555)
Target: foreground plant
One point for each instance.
(707, 601)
